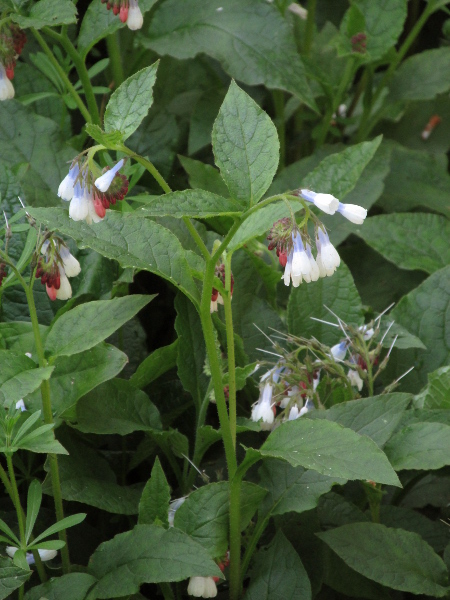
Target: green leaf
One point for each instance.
(203, 176)
(59, 526)
(423, 312)
(110, 140)
(252, 41)
(130, 103)
(155, 499)
(11, 577)
(390, 235)
(48, 13)
(338, 293)
(292, 489)
(393, 557)
(278, 573)
(19, 375)
(117, 407)
(420, 446)
(76, 375)
(73, 586)
(6, 529)
(34, 500)
(191, 349)
(147, 554)
(422, 76)
(312, 444)
(50, 545)
(334, 510)
(131, 240)
(376, 417)
(30, 434)
(202, 120)
(19, 335)
(197, 204)
(245, 145)
(156, 364)
(437, 393)
(73, 332)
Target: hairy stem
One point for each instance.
(112, 43)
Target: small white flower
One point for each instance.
(355, 379)
(354, 213)
(102, 183)
(66, 187)
(315, 271)
(293, 413)
(65, 289)
(367, 333)
(78, 209)
(339, 351)
(135, 19)
(20, 405)
(173, 507)
(309, 406)
(262, 411)
(301, 266)
(6, 87)
(325, 202)
(213, 306)
(328, 253)
(44, 554)
(71, 265)
(202, 587)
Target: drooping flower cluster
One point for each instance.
(339, 353)
(128, 11)
(54, 268)
(205, 587)
(89, 199)
(12, 41)
(330, 205)
(216, 297)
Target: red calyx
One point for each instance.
(123, 15)
(214, 295)
(282, 258)
(100, 207)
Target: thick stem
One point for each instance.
(230, 349)
(309, 29)
(78, 101)
(112, 43)
(235, 538)
(16, 500)
(278, 100)
(150, 168)
(257, 533)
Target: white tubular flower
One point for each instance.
(367, 333)
(202, 587)
(44, 554)
(309, 406)
(92, 216)
(6, 87)
(354, 213)
(78, 209)
(71, 265)
(315, 271)
(355, 379)
(213, 306)
(173, 507)
(20, 405)
(339, 351)
(328, 253)
(325, 202)
(262, 411)
(135, 19)
(102, 183)
(65, 289)
(287, 270)
(66, 187)
(301, 266)
(293, 413)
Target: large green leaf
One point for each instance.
(203, 176)
(130, 103)
(117, 407)
(377, 417)
(420, 446)
(19, 375)
(11, 577)
(278, 573)
(147, 554)
(129, 239)
(338, 293)
(393, 557)
(312, 444)
(89, 324)
(292, 488)
(198, 204)
(422, 76)
(154, 503)
(156, 364)
(245, 145)
(424, 313)
(19, 335)
(73, 586)
(48, 13)
(390, 235)
(437, 393)
(251, 40)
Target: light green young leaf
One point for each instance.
(117, 407)
(50, 545)
(154, 503)
(47, 13)
(422, 76)
(40, 440)
(390, 235)
(34, 500)
(251, 40)
(130, 103)
(6, 529)
(437, 392)
(11, 577)
(278, 573)
(197, 204)
(393, 557)
(245, 145)
(89, 324)
(19, 375)
(147, 554)
(132, 241)
(420, 446)
(113, 139)
(156, 364)
(59, 526)
(73, 586)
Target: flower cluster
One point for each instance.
(89, 199)
(330, 205)
(54, 268)
(205, 587)
(359, 43)
(12, 41)
(128, 11)
(216, 297)
(339, 352)
(44, 554)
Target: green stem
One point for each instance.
(16, 500)
(230, 349)
(278, 100)
(83, 74)
(6, 482)
(235, 538)
(149, 166)
(166, 590)
(196, 237)
(112, 43)
(78, 101)
(309, 29)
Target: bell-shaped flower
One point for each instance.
(288, 275)
(65, 289)
(6, 87)
(309, 406)
(20, 405)
(301, 266)
(328, 254)
(355, 379)
(293, 413)
(325, 202)
(102, 183)
(173, 507)
(79, 205)
(44, 554)
(66, 187)
(71, 265)
(135, 19)
(339, 351)
(315, 272)
(262, 410)
(202, 587)
(354, 213)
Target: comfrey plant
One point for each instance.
(271, 423)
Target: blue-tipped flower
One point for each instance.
(327, 255)
(263, 411)
(354, 213)
(309, 406)
(339, 351)
(102, 183)
(79, 208)
(66, 187)
(326, 202)
(301, 266)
